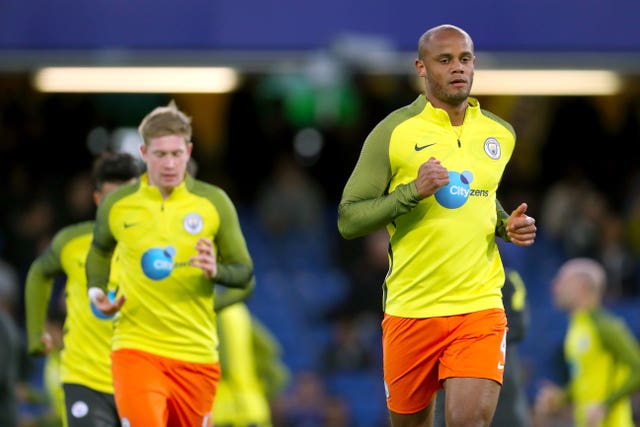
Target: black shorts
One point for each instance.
(87, 407)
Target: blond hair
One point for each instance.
(163, 121)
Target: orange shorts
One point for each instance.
(421, 353)
(156, 391)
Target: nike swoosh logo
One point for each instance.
(500, 366)
(422, 147)
(130, 224)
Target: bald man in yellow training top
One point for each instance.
(429, 172)
(602, 353)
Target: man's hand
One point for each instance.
(431, 177)
(595, 414)
(550, 399)
(43, 346)
(47, 343)
(103, 304)
(521, 228)
(206, 258)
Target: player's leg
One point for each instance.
(472, 368)
(470, 402)
(411, 349)
(140, 387)
(422, 418)
(86, 407)
(193, 389)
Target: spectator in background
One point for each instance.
(602, 353)
(85, 367)
(290, 201)
(366, 262)
(632, 213)
(572, 213)
(617, 259)
(11, 347)
(348, 349)
(308, 404)
(31, 228)
(290, 208)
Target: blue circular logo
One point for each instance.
(456, 193)
(157, 263)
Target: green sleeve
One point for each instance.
(623, 347)
(39, 286)
(365, 205)
(40, 279)
(228, 296)
(235, 266)
(98, 265)
(501, 223)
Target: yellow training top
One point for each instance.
(443, 256)
(169, 303)
(87, 339)
(604, 364)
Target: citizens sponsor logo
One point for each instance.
(458, 191)
(157, 263)
(422, 147)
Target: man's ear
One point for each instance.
(420, 68)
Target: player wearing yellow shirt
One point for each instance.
(429, 173)
(602, 353)
(252, 372)
(177, 237)
(85, 368)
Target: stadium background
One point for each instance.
(315, 77)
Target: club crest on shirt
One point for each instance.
(193, 223)
(492, 148)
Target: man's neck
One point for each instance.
(456, 112)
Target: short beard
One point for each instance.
(453, 99)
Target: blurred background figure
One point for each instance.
(602, 354)
(253, 374)
(82, 363)
(307, 403)
(11, 349)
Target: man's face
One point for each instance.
(447, 67)
(566, 286)
(166, 158)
